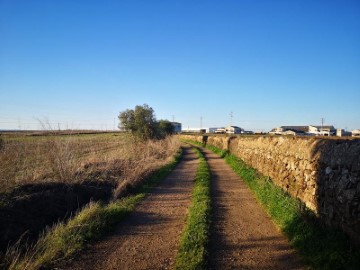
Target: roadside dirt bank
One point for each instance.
(28, 209)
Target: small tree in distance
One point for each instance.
(142, 123)
(166, 127)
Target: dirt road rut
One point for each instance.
(243, 236)
(149, 237)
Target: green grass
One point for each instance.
(92, 222)
(192, 252)
(320, 247)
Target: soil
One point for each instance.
(27, 210)
(243, 236)
(149, 237)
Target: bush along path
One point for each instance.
(149, 237)
(242, 235)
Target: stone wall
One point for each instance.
(322, 173)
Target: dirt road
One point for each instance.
(243, 236)
(149, 237)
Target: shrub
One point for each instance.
(142, 123)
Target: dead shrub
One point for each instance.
(147, 157)
(62, 160)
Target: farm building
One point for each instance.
(356, 133)
(322, 130)
(304, 130)
(214, 129)
(233, 130)
(341, 132)
(221, 130)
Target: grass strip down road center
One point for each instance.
(192, 252)
(93, 221)
(320, 247)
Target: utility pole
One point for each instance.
(201, 122)
(322, 123)
(173, 118)
(231, 118)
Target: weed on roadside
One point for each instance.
(194, 240)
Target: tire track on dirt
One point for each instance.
(243, 235)
(149, 237)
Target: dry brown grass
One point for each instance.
(150, 156)
(117, 158)
(72, 159)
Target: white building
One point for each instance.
(221, 130)
(304, 130)
(341, 132)
(215, 129)
(195, 130)
(322, 130)
(277, 131)
(356, 133)
(248, 132)
(233, 130)
(290, 133)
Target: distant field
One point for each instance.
(43, 158)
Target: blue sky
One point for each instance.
(77, 64)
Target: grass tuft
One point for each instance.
(194, 240)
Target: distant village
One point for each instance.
(311, 130)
